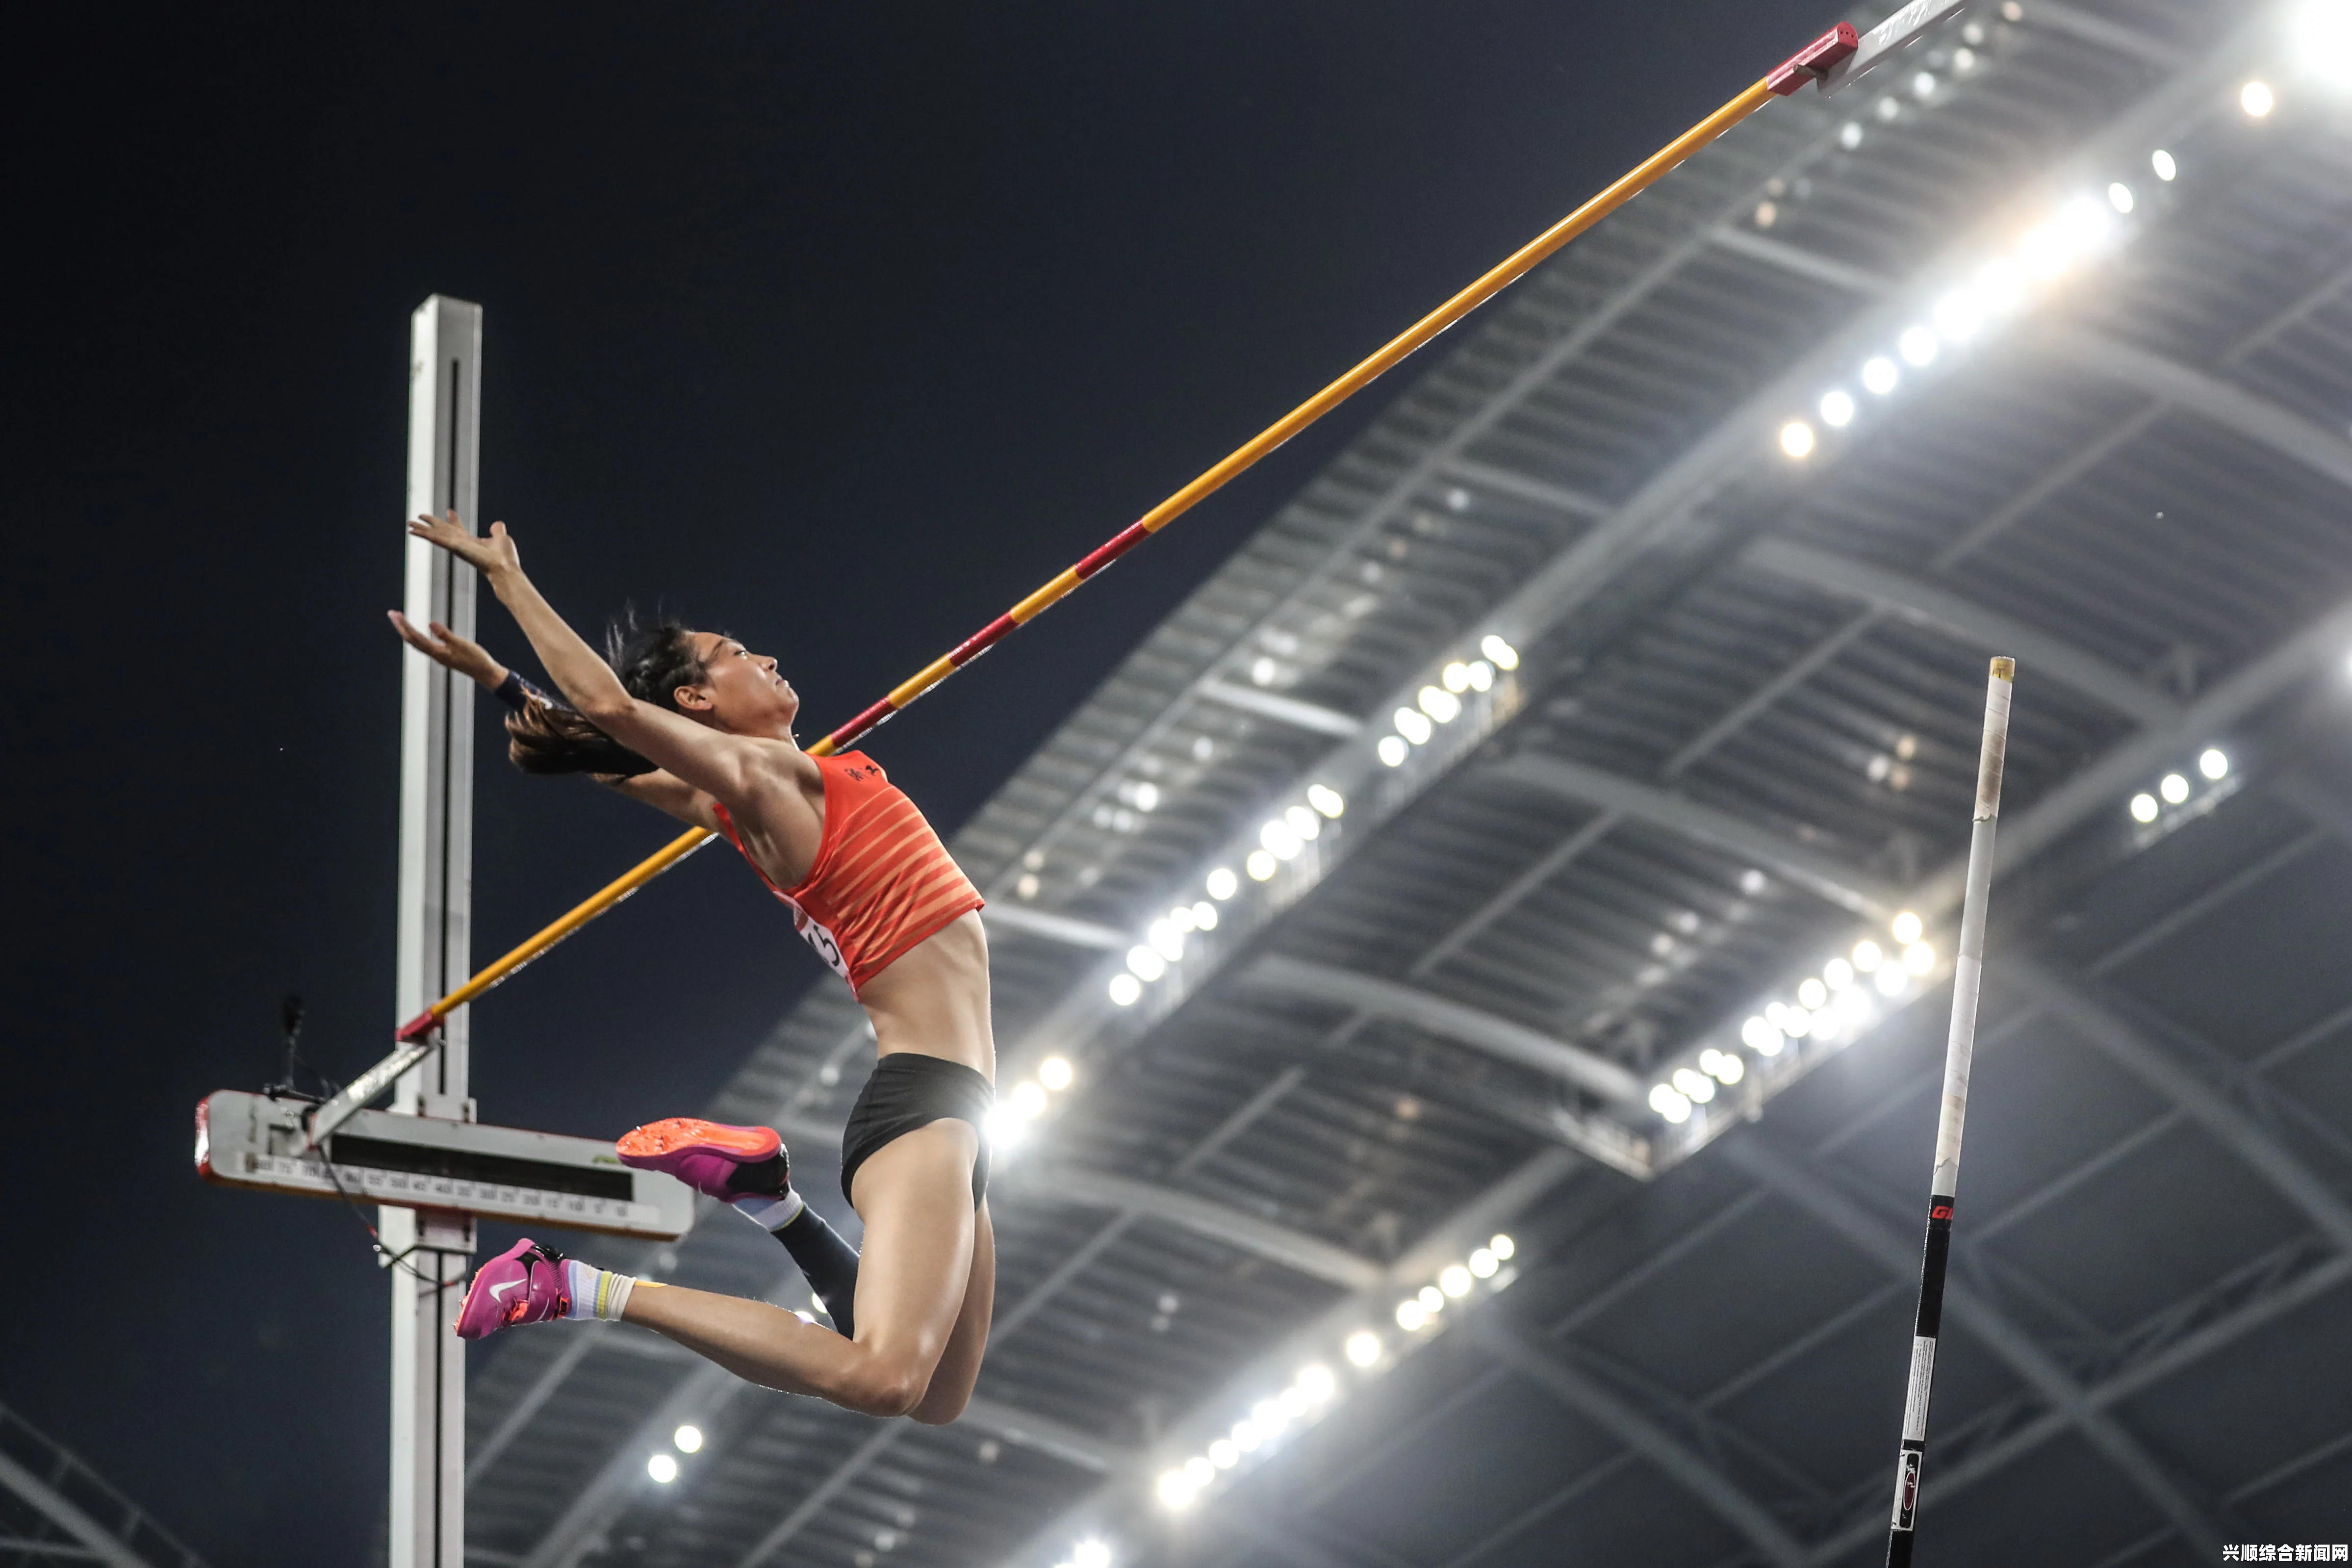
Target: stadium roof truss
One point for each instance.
(1738, 735)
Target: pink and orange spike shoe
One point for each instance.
(711, 1157)
(524, 1284)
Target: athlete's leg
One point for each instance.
(915, 1196)
(959, 1366)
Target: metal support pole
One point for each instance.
(1943, 1188)
(430, 1252)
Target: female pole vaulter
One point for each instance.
(694, 724)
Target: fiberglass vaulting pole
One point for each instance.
(1943, 1187)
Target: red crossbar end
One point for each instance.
(1814, 62)
(416, 1028)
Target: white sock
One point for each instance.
(596, 1292)
(772, 1215)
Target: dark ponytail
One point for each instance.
(653, 660)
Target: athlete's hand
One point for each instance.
(446, 648)
(490, 555)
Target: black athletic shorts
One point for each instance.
(909, 1091)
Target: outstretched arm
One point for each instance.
(662, 790)
(731, 767)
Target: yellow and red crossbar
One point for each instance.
(1811, 64)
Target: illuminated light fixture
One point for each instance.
(1796, 1023)
(2143, 807)
(1145, 964)
(1918, 958)
(2119, 196)
(1270, 1417)
(1054, 1073)
(1891, 981)
(1091, 1554)
(1917, 346)
(1393, 751)
(1502, 1247)
(1837, 408)
(2165, 169)
(1145, 795)
(1409, 1316)
(1363, 1347)
(1483, 1263)
(1455, 677)
(1316, 1382)
(1247, 1437)
(1125, 990)
(1907, 927)
(1761, 1036)
(1880, 376)
(1432, 1299)
(1027, 1101)
(1327, 800)
(1414, 725)
(1204, 915)
(1175, 1490)
(687, 1439)
(1442, 706)
(1504, 655)
(1867, 956)
(1797, 439)
(1838, 972)
(1303, 822)
(1964, 60)
(1261, 866)
(1482, 674)
(1165, 939)
(2323, 40)
(1200, 1470)
(1923, 86)
(1224, 1455)
(1263, 672)
(2257, 99)
(2000, 286)
(1958, 314)
(1222, 884)
(2173, 788)
(1850, 135)
(1292, 1403)
(662, 1467)
(2213, 763)
(1669, 1102)
(1455, 1280)
(1724, 1066)
(1277, 840)
(1812, 994)
(1694, 1086)
(1182, 918)
(1886, 108)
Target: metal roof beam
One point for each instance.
(1291, 710)
(1219, 1222)
(1542, 492)
(1581, 1392)
(1055, 928)
(101, 1545)
(2202, 1519)
(1798, 262)
(1489, 1032)
(2224, 402)
(1841, 885)
(2098, 1020)
(1043, 1434)
(2034, 649)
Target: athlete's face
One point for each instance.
(741, 693)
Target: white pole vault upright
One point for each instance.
(433, 1249)
(1943, 1188)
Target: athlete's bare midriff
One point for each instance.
(933, 998)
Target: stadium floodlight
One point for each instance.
(2257, 99)
(1797, 439)
(662, 1467)
(1837, 408)
(2214, 763)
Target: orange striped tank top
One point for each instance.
(882, 881)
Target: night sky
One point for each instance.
(838, 329)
